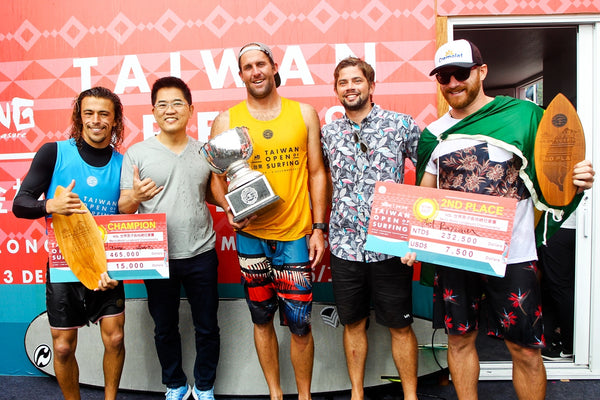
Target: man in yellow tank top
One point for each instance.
(276, 263)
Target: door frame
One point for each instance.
(586, 364)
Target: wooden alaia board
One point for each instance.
(559, 145)
(81, 244)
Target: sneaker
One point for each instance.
(564, 355)
(555, 353)
(178, 393)
(204, 394)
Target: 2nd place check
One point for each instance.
(445, 227)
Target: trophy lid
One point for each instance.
(226, 148)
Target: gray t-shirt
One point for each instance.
(185, 177)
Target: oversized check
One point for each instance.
(135, 245)
(456, 229)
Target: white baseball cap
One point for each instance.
(458, 53)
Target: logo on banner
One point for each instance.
(42, 355)
(17, 113)
(330, 316)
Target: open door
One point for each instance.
(536, 58)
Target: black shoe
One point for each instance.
(556, 353)
(566, 355)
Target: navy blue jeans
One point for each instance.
(198, 275)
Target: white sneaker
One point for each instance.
(565, 355)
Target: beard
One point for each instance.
(262, 93)
(471, 92)
(359, 103)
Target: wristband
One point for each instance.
(321, 226)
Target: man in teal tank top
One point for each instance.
(89, 166)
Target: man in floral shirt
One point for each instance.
(368, 144)
(485, 145)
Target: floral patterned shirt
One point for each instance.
(359, 156)
(473, 165)
(471, 170)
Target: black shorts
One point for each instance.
(513, 303)
(72, 305)
(387, 283)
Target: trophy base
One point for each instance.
(249, 198)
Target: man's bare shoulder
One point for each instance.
(220, 124)
(305, 107)
(308, 113)
(223, 116)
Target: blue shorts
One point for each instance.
(276, 274)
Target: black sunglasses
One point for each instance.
(460, 74)
(361, 143)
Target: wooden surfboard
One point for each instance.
(559, 145)
(81, 244)
(238, 372)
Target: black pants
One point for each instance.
(198, 276)
(557, 266)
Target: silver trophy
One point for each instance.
(249, 190)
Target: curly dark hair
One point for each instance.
(103, 93)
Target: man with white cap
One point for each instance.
(275, 262)
(484, 145)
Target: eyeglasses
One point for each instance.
(363, 145)
(460, 74)
(163, 105)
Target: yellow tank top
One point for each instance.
(279, 152)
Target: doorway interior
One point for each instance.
(536, 58)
